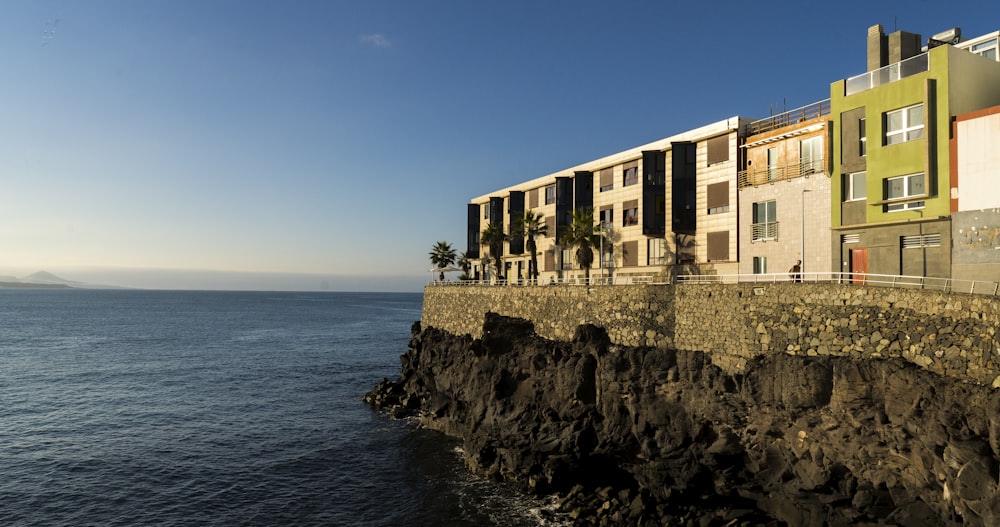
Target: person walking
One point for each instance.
(795, 273)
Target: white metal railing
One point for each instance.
(886, 74)
(949, 285)
(762, 232)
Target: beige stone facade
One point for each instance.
(646, 233)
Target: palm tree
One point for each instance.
(531, 225)
(494, 237)
(581, 234)
(464, 261)
(442, 255)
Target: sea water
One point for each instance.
(131, 407)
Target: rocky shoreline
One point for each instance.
(646, 436)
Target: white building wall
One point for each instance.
(978, 162)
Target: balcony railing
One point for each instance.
(887, 74)
(761, 176)
(805, 113)
(762, 232)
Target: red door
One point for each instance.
(859, 266)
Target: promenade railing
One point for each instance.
(979, 287)
(950, 285)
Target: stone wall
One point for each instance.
(949, 334)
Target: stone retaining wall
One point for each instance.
(950, 334)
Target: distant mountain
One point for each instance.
(45, 279)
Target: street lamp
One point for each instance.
(802, 239)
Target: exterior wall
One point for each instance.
(628, 237)
(720, 222)
(949, 334)
(792, 197)
(976, 160)
(801, 192)
(885, 252)
(976, 245)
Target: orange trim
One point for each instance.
(978, 113)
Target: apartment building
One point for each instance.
(665, 204)
(784, 192)
(891, 190)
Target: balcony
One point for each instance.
(887, 74)
(763, 232)
(798, 115)
(761, 176)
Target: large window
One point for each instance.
(656, 251)
(765, 221)
(905, 124)
(811, 155)
(550, 194)
(718, 197)
(854, 187)
(987, 49)
(904, 188)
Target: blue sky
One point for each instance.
(329, 144)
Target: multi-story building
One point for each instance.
(784, 193)
(661, 205)
(891, 192)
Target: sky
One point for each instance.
(329, 144)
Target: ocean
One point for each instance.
(134, 407)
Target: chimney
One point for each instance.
(878, 48)
(903, 45)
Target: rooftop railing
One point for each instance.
(798, 115)
(887, 74)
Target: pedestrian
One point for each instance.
(795, 273)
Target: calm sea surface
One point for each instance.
(220, 408)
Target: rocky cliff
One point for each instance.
(651, 436)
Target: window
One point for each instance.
(903, 188)
(631, 214)
(718, 149)
(862, 137)
(987, 49)
(718, 246)
(656, 251)
(607, 217)
(850, 238)
(567, 258)
(919, 241)
(854, 187)
(811, 155)
(760, 265)
(631, 175)
(486, 212)
(772, 164)
(718, 197)
(905, 124)
(765, 222)
(550, 194)
(607, 179)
